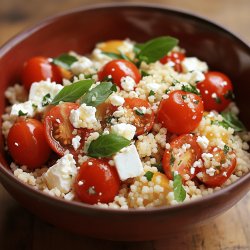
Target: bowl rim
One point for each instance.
(76, 205)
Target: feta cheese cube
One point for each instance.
(62, 174)
(25, 108)
(128, 163)
(192, 64)
(125, 130)
(41, 89)
(127, 83)
(84, 117)
(203, 142)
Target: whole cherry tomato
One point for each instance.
(142, 121)
(181, 112)
(216, 91)
(27, 143)
(59, 130)
(226, 163)
(176, 58)
(96, 181)
(39, 68)
(118, 69)
(183, 152)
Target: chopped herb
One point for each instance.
(190, 88)
(34, 106)
(144, 73)
(109, 119)
(158, 166)
(151, 93)
(73, 92)
(184, 97)
(179, 191)
(149, 175)
(21, 113)
(218, 167)
(107, 145)
(46, 100)
(167, 91)
(155, 49)
(217, 100)
(226, 149)
(172, 160)
(98, 95)
(196, 102)
(139, 112)
(64, 60)
(179, 163)
(229, 95)
(88, 76)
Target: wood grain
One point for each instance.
(21, 230)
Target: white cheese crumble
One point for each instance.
(127, 83)
(62, 174)
(41, 89)
(192, 63)
(84, 117)
(125, 130)
(81, 65)
(26, 108)
(76, 142)
(128, 163)
(116, 100)
(203, 142)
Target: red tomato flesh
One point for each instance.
(27, 143)
(183, 152)
(96, 181)
(176, 58)
(179, 115)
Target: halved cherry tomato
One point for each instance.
(104, 112)
(183, 152)
(216, 91)
(118, 69)
(181, 112)
(222, 171)
(176, 58)
(27, 143)
(96, 181)
(39, 68)
(142, 122)
(59, 130)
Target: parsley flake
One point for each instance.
(21, 113)
(149, 175)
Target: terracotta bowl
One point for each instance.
(79, 30)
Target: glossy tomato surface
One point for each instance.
(181, 112)
(225, 165)
(142, 122)
(27, 143)
(60, 132)
(118, 69)
(176, 58)
(183, 152)
(216, 91)
(39, 68)
(96, 181)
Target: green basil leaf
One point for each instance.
(107, 145)
(179, 191)
(155, 49)
(190, 88)
(98, 94)
(113, 55)
(64, 61)
(149, 175)
(231, 120)
(73, 92)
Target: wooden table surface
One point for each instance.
(21, 230)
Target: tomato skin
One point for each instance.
(183, 163)
(176, 58)
(142, 123)
(219, 178)
(96, 181)
(214, 84)
(37, 69)
(118, 69)
(58, 129)
(177, 115)
(27, 143)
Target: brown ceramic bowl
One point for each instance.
(79, 30)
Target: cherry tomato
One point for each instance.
(176, 58)
(216, 91)
(27, 144)
(181, 112)
(134, 108)
(59, 130)
(221, 172)
(104, 113)
(118, 69)
(183, 152)
(96, 181)
(39, 68)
